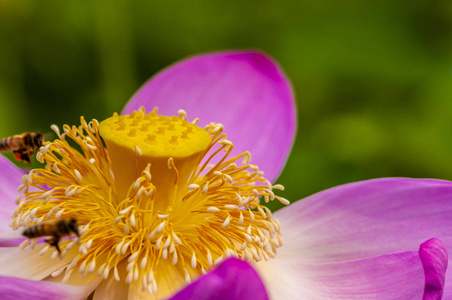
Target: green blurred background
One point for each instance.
(373, 79)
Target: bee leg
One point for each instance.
(22, 155)
(17, 155)
(26, 157)
(54, 242)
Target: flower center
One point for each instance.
(165, 203)
(138, 140)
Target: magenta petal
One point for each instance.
(233, 279)
(434, 259)
(16, 288)
(246, 91)
(10, 179)
(368, 218)
(391, 276)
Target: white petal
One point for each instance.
(29, 264)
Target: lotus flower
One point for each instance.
(377, 239)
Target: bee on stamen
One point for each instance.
(22, 145)
(54, 230)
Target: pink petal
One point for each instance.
(10, 179)
(233, 279)
(391, 276)
(434, 259)
(368, 218)
(16, 288)
(246, 91)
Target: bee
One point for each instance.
(55, 231)
(23, 145)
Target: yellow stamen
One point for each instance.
(164, 204)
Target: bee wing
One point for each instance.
(49, 136)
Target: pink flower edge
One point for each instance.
(10, 180)
(233, 279)
(400, 275)
(17, 288)
(434, 258)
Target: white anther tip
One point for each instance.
(193, 186)
(213, 209)
(138, 150)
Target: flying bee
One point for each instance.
(55, 231)
(23, 145)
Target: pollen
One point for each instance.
(161, 204)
